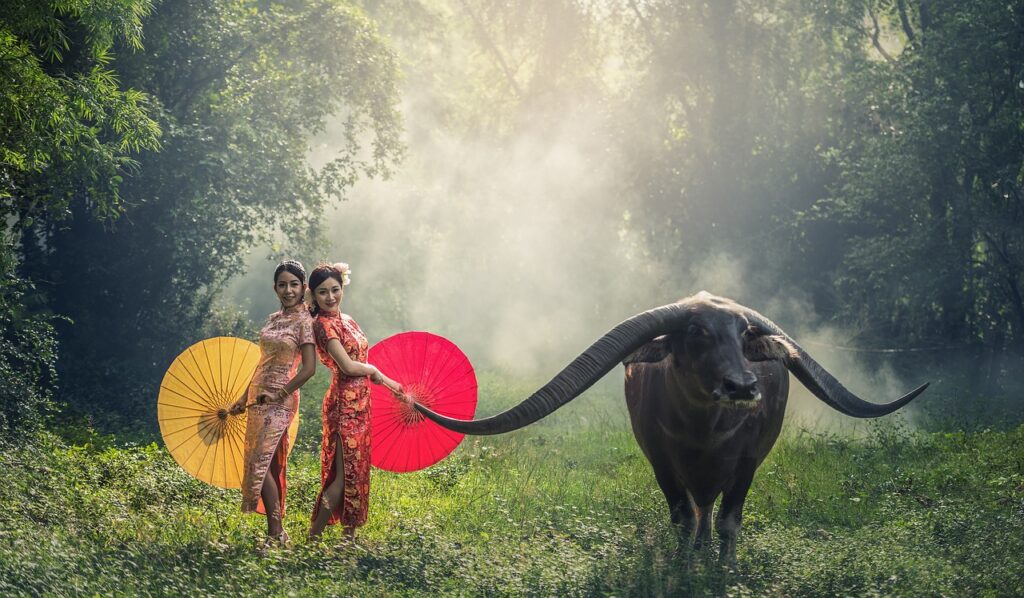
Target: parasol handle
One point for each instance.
(224, 412)
(403, 396)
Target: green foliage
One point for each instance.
(240, 88)
(28, 355)
(496, 69)
(731, 106)
(68, 134)
(228, 320)
(927, 203)
(69, 129)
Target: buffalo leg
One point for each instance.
(730, 514)
(703, 516)
(683, 518)
(680, 509)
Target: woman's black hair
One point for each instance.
(293, 267)
(317, 277)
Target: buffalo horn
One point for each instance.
(821, 383)
(576, 377)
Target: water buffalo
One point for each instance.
(706, 387)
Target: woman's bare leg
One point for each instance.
(332, 494)
(271, 496)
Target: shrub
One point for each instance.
(28, 355)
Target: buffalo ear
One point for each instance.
(653, 351)
(767, 347)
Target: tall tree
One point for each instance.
(931, 170)
(69, 131)
(241, 87)
(68, 128)
(724, 126)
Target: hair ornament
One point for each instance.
(296, 263)
(292, 266)
(345, 271)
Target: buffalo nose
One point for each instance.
(740, 387)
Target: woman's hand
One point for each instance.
(399, 392)
(377, 377)
(237, 408)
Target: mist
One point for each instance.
(520, 253)
(520, 245)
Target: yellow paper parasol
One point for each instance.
(206, 378)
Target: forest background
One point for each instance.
(517, 176)
(852, 167)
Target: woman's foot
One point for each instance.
(282, 540)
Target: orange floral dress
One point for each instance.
(346, 416)
(266, 429)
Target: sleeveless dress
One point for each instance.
(267, 422)
(346, 415)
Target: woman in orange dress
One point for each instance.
(272, 398)
(342, 347)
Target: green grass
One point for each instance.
(565, 507)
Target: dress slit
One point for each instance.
(275, 423)
(331, 452)
(281, 456)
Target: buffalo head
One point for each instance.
(712, 351)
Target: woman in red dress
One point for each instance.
(345, 448)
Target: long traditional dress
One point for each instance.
(266, 435)
(346, 416)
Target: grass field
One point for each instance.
(565, 507)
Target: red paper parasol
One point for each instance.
(438, 375)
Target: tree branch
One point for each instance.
(186, 96)
(646, 26)
(657, 50)
(901, 5)
(874, 38)
(1012, 276)
(488, 43)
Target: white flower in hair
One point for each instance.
(345, 271)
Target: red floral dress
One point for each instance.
(346, 415)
